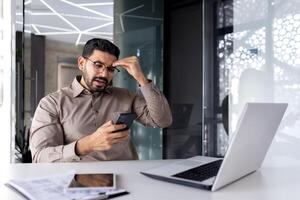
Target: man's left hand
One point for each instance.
(132, 66)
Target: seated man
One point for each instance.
(75, 122)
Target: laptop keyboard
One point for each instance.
(202, 172)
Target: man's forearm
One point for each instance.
(60, 153)
(158, 111)
(83, 146)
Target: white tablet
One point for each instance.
(93, 181)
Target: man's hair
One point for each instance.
(101, 45)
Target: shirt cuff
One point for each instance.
(69, 152)
(148, 89)
(149, 81)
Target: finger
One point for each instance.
(108, 123)
(119, 135)
(124, 65)
(127, 68)
(104, 126)
(120, 139)
(126, 61)
(115, 127)
(120, 62)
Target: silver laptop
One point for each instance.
(256, 129)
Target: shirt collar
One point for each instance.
(78, 88)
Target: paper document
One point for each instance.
(50, 188)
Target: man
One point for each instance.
(75, 123)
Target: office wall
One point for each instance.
(54, 52)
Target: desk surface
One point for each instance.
(279, 178)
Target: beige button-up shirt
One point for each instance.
(71, 113)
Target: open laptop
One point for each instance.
(256, 128)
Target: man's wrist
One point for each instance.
(82, 146)
(143, 81)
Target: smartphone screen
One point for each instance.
(92, 181)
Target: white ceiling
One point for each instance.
(72, 21)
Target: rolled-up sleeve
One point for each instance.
(153, 108)
(47, 135)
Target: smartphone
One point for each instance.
(126, 118)
(90, 182)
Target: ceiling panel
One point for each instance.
(72, 21)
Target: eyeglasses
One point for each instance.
(100, 67)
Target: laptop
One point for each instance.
(255, 131)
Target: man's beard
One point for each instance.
(89, 82)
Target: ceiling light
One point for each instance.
(27, 2)
(50, 13)
(59, 33)
(35, 28)
(53, 27)
(128, 11)
(78, 39)
(59, 15)
(97, 27)
(97, 4)
(87, 9)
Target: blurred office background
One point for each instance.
(209, 57)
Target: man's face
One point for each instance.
(95, 79)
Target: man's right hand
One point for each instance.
(102, 139)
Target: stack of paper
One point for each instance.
(54, 187)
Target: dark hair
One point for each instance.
(100, 44)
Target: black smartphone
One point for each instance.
(126, 118)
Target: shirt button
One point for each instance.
(96, 111)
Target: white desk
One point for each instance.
(279, 178)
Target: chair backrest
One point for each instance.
(181, 114)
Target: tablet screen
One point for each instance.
(92, 181)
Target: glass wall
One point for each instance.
(52, 34)
(138, 31)
(183, 78)
(218, 46)
(255, 58)
(265, 63)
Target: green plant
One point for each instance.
(23, 153)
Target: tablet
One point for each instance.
(93, 181)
